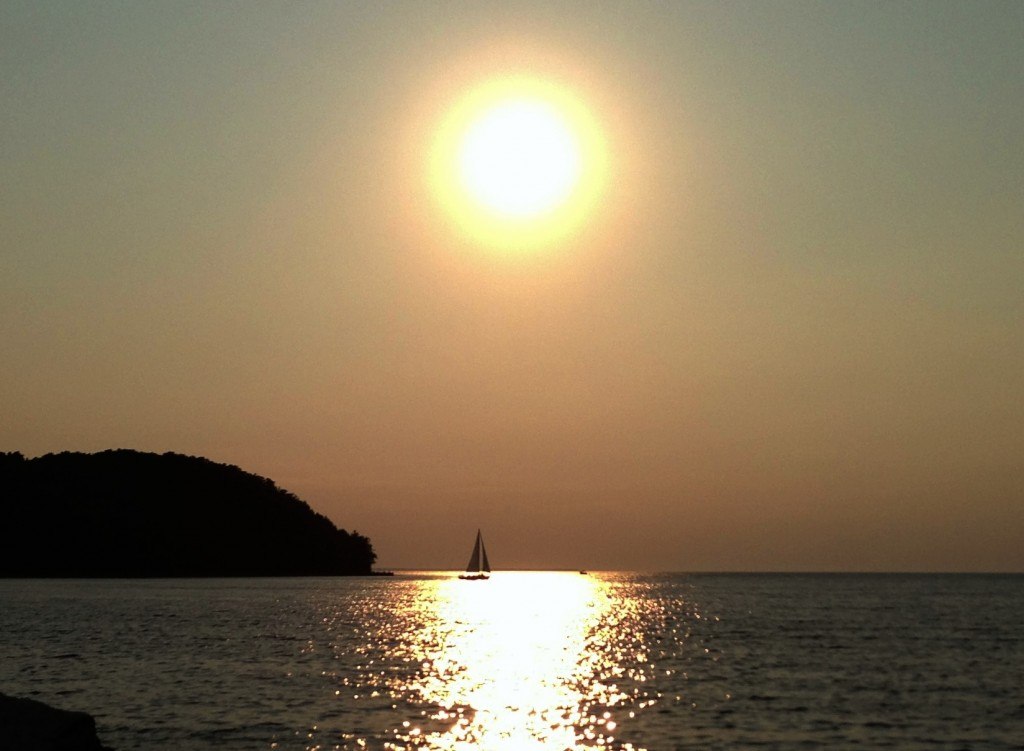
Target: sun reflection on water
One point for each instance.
(508, 669)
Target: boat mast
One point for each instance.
(483, 554)
(474, 560)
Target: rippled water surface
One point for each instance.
(527, 661)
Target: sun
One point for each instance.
(518, 164)
(519, 158)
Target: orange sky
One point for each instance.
(787, 336)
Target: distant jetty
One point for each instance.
(123, 513)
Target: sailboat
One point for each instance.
(478, 567)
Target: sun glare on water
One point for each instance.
(508, 665)
(518, 164)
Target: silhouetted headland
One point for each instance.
(29, 724)
(125, 513)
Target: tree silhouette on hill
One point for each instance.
(123, 513)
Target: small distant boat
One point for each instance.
(478, 567)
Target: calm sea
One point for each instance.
(527, 661)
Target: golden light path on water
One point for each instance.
(510, 664)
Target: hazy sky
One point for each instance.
(790, 336)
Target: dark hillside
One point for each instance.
(126, 514)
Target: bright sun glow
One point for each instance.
(518, 164)
(520, 158)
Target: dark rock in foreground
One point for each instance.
(27, 725)
(131, 514)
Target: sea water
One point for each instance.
(527, 660)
